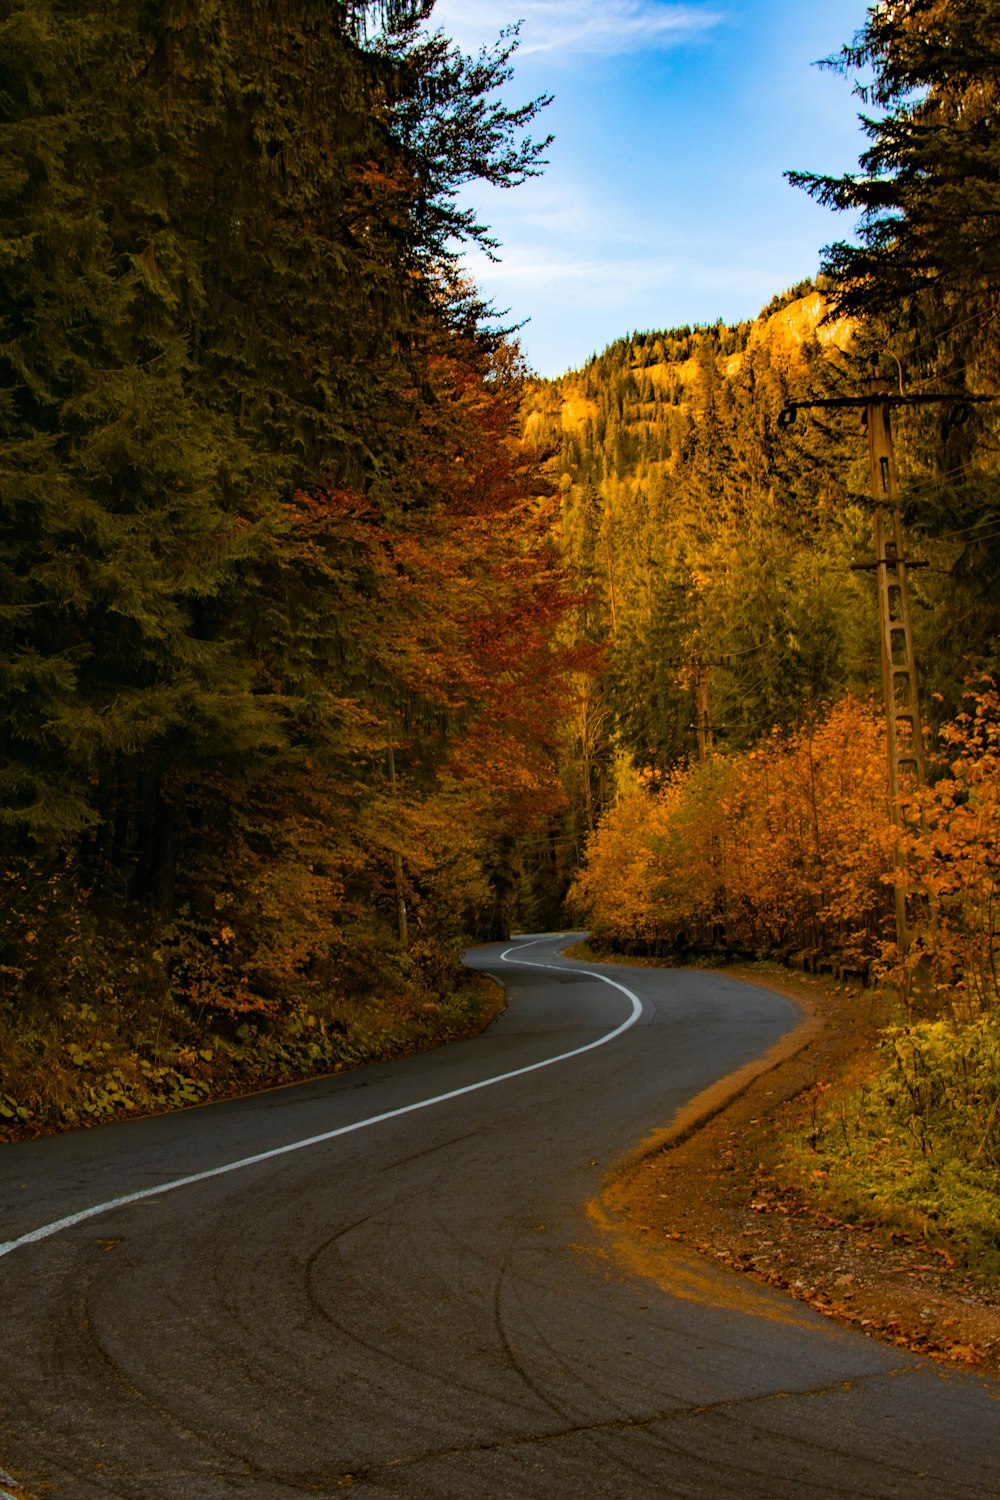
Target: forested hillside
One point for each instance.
(727, 559)
(277, 590)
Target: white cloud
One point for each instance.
(533, 278)
(576, 304)
(554, 209)
(566, 27)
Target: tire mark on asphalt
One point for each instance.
(453, 1140)
(520, 1367)
(597, 1435)
(145, 1400)
(388, 1356)
(568, 1365)
(731, 1407)
(514, 1363)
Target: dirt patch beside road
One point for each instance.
(716, 1188)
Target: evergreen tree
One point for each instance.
(241, 393)
(928, 190)
(924, 278)
(224, 276)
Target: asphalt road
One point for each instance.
(385, 1283)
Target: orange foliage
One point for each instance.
(421, 622)
(787, 846)
(791, 846)
(955, 860)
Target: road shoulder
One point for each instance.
(710, 1184)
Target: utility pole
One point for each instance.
(907, 763)
(702, 713)
(611, 574)
(907, 766)
(703, 726)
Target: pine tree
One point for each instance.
(928, 190)
(115, 528)
(924, 278)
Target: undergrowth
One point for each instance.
(916, 1146)
(105, 1023)
(91, 1072)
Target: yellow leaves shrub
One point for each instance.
(786, 845)
(918, 1145)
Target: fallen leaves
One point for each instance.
(713, 1193)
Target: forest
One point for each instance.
(279, 592)
(726, 558)
(334, 639)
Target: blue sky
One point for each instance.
(664, 201)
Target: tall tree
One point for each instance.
(929, 188)
(257, 452)
(924, 274)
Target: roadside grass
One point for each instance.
(914, 1144)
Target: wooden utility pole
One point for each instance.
(702, 712)
(611, 576)
(907, 765)
(905, 737)
(702, 724)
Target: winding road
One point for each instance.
(385, 1283)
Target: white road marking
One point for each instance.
(6, 1478)
(45, 1231)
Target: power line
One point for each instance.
(933, 341)
(946, 536)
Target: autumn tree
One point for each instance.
(255, 429)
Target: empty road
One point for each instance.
(386, 1284)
